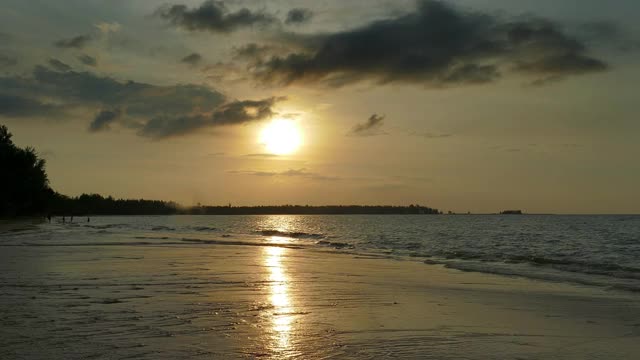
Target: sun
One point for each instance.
(281, 137)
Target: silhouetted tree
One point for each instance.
(24, 187)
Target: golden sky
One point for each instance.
(460, 105)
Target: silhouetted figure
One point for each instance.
(71, 220)
(49, 218)
(88, 219)
(64, 220)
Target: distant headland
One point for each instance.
(511, 212)
(95, 204)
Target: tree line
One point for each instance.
(25, 191)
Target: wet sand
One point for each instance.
(229, 301)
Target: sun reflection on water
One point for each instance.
(282, 319)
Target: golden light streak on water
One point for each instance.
(280, 299)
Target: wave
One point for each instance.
(335, 244)
(239, 243)
(563, 264)
(204, 228)
(526, 271)
(295, 235)
(156, 242)
(162, 228)
(152, 237)
(103, 227)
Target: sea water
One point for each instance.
(601, 251)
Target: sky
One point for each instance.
(461, 105)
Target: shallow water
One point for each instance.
(592, 250)
(272, 287)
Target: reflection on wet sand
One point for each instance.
(280, 299)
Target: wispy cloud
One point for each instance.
(299, 173)
(262, 155)
(213, 16)
(430, 135)
(371, 127)
(77, 42)
(103, 119)
(192, 59)
(59, 65)
(298, 16)
(88, 60)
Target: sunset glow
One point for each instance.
(281, 137)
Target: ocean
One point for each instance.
(602, 251)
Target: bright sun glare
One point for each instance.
(281, 137)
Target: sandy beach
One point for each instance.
(277, 302)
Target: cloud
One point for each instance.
(262, 155)
(77, 42)
(6, 61)
(238, 112)
(19, 106)
(435, 45)
(107, 28)
(59, 65)
(252, 51)
(298, 16)
(372, 127)
(213, 16)
(153, 111)
(430, 135)
(192, 59)
(88, 60)
(609, 35)
(231, 113)
(103, 119)
(299, 173)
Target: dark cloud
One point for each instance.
(300, 173)
(608, 35)
(88, 60)
(77, 42)
(165, 126)
(252, 51)
(59, 65)
(6, 61)
(154, 111)
(103, 119)
(238, 112)
(19, 106)
(298, 16)
(192, 59)
(213, 16)
(232, 113)
(435, 45)
(600, 30)
(372, 127)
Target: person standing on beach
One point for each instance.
(63, 219)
